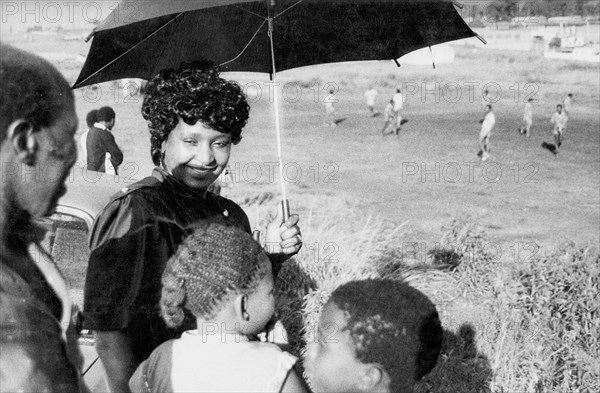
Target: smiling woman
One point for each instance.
(194, 117)
(196, 154)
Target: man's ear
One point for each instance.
(373, 379)
(21, 135)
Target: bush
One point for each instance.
(554, 43)
(538, 321)
(560, 295)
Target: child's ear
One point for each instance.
(241, 307)
(374, 379)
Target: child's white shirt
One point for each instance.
(214, 363)
(398, 101)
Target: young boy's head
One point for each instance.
(215, 266)
(374, 336)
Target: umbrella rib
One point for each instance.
(133, 47)
(250, 12)
(289, 8)
(247, 45)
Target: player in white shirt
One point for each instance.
(568, 104)
(329, 120)
(398, 104)
(389, 116)
(370, 95)
(559, 119)
(487, 124)
(527, 117)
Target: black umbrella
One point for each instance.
(141, 37)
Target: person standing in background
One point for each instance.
(527, 117)
(329, 120)
(559, 119)
(398, 104)
(370, 95)
(389, 117)
(487, 124)
(100, 141)
(568, 104)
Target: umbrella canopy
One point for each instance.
(141, 37)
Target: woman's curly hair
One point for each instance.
(213, 263)
(194, 92)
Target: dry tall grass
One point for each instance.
(509, 327)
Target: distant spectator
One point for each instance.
(559, 119)
(487, 124)
(398, 100)
(100, 141)
(370, 95)
(527, 118)
(389, 117)
(329, 120)
(568, 104)
(485, 99)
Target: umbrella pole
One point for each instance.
(285, 205)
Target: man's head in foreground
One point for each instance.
(37, 128)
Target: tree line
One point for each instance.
(506, 10)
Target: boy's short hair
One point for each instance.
(394, 325)
(106, 113)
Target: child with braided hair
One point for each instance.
(224, 278)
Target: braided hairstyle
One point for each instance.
(392, 324)
(194, 92)
(212, 264)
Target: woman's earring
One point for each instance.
(162, 160)
(246, 316)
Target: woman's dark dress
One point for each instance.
(130, 243)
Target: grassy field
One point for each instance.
(508, 249)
